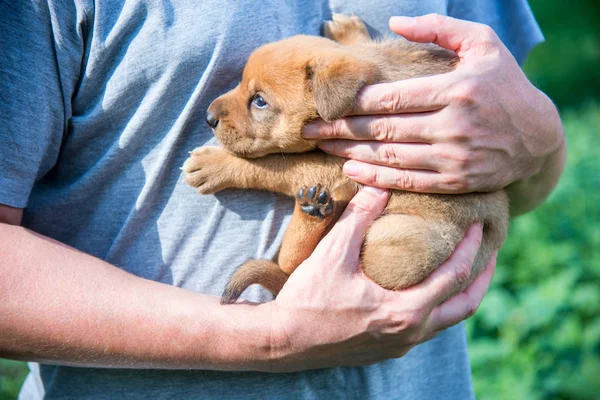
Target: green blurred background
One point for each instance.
(537, 333)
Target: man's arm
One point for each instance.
(534, 187)
(59, 305)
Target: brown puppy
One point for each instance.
(291, 82)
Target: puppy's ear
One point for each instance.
(335, 81)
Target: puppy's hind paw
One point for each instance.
(315, 201)
(346, 30)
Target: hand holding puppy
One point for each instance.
(330, 314)
(480, 128)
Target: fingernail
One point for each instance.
(374, 190)
(310, 131)
(401, 20)
(351, 168)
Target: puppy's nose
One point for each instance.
(211, 120)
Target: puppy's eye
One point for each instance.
(259, 102)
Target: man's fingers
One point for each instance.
(463, 305)
(416, 95)
(413, 180)
(344, 241)
(450, 276)
(402, 128)
(411, 156)
(451, 33)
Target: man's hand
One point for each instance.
(481, 127)
(329, 313)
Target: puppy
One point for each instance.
(303, 78)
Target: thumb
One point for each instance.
(343, 243)
(462, 37)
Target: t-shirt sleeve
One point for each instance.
(41, 52)
(512, 20)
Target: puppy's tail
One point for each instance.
(262, 272)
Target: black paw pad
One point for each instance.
(320, 205)
(311, 192)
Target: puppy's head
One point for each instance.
(284, 85)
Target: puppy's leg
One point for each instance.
(314, 214)
(401, 250)
(212, 169)
(408, 243)
(346, 30)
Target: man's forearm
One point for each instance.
(526, 194)
(59, 305)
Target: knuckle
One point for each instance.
(412, 320)
(335, 130)
(387, 154)
(469, 183)
(375, 176)
(407, 322)
(391, 101)
(404, 180)
(487, 41)
(467, 93)
(487, 34)
(471, 308)
(382, 129)
(464, 132)
(432, 19)
(462, 272)
(464, 159)
(401, 321)
(460, 174)
(454, 182)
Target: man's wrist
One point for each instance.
(241, 337)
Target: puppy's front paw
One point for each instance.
(208, 169)
(346, 30)
(315, 201)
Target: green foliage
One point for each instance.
(12, 375)
(567, 66)
(537, 332)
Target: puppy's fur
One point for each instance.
(305, 78)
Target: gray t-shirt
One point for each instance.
(100, 101)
